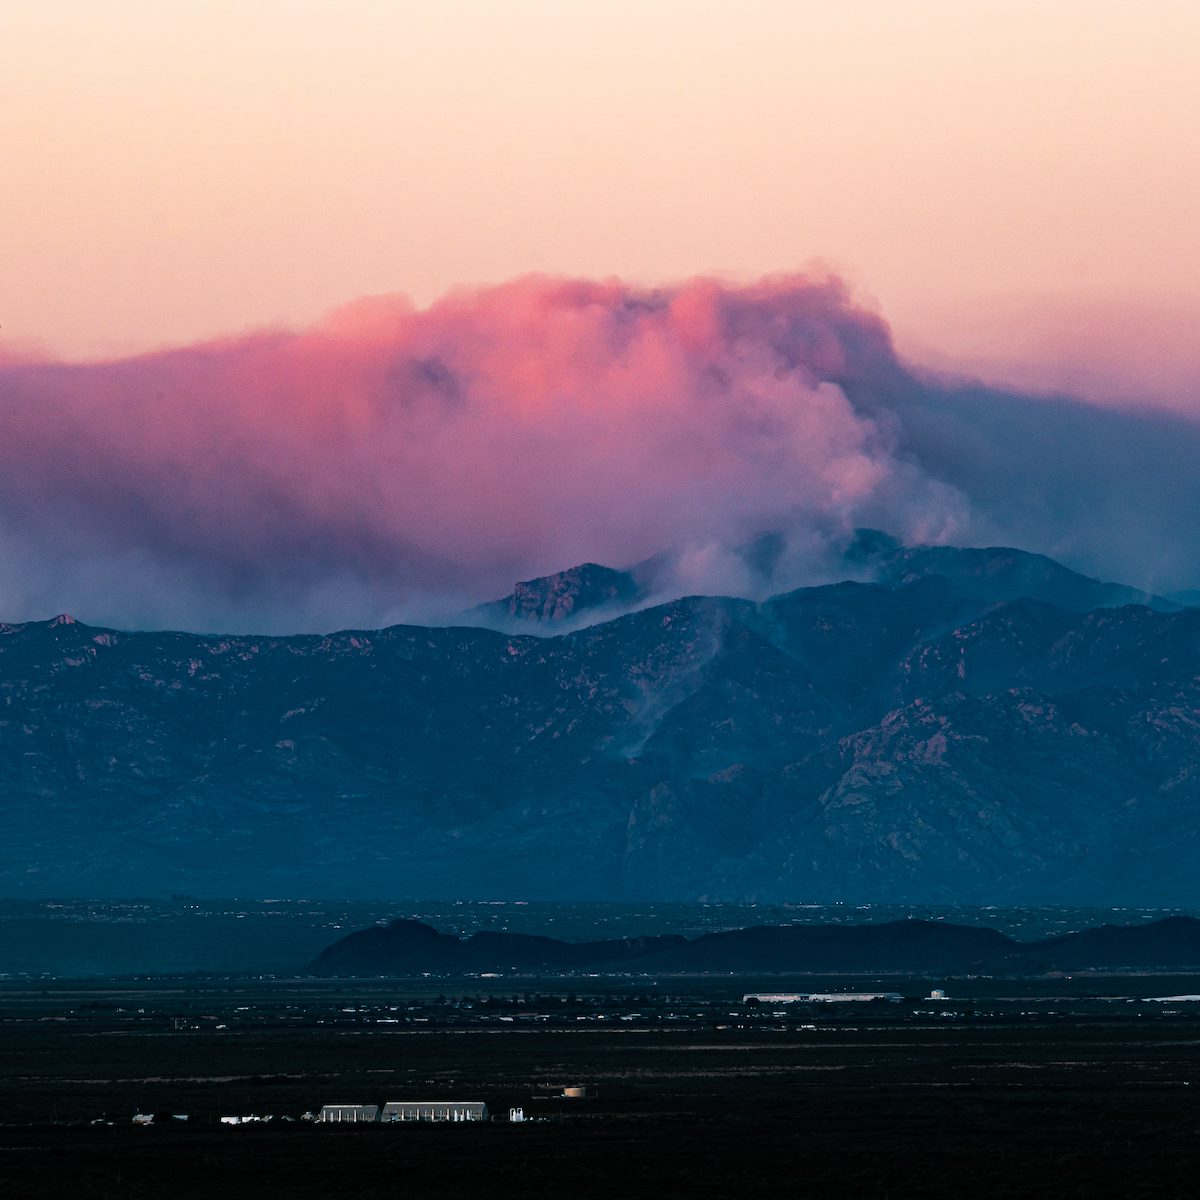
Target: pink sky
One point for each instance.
(1014, 185)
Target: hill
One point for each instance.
(407, 947)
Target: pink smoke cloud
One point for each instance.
(1120, 350)
(394, 463)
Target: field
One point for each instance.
(1051, 1087)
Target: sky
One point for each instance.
(177, 171)
(1010, 192)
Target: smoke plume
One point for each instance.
(394, 463)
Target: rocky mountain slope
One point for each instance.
(916, 740)
(586, 590)
(995, 574)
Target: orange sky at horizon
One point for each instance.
(1014, 185)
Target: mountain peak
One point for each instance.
(566, 594)
(995, 574)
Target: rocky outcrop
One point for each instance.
(582, 591)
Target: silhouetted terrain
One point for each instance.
(412, 947)
(980, 726)
(408, 947)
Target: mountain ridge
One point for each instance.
(590, 592)
(921, 742)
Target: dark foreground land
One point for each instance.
(1066, 1087)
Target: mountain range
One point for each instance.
(954, 725)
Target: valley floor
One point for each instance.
(1064, 1088)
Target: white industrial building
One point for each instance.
(352, 1113)
(820, 997)
(435, 1110)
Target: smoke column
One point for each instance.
(394, 463)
